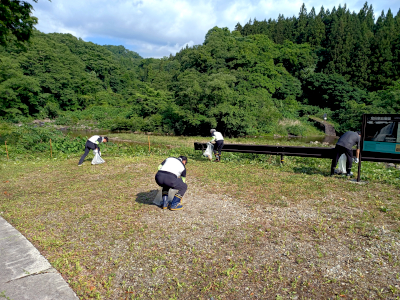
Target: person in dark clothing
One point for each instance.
(345, 145)
(167, 177)
(92, 144)
(219, 143)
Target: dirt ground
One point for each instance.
(98, 227)
(257, 252)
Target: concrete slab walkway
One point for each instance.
(25, 273)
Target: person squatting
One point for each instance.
(167, 177)
(219, 143)
(92, 144)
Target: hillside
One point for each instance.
(248, 81)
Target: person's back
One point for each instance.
(349, 139)
(218, 138)
(167, 177)
(92, 144)
(174, 166)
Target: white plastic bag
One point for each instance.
(342, 164)
(158, 199)
(209, 151)
(97, 158)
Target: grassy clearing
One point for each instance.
(179, 141)
(250, 229)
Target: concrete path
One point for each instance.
(25, 273)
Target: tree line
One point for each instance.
(261, 78)
(364, 50)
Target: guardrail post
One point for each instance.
(282, 160)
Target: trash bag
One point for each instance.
(342, 164)
(209, 151)
(158, 199)
(97, 158)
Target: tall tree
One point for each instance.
(382, 70)
(280, 28)
(238, 27)
(16, 21)
(359, 68)
(315, 29)
(396, 45)
(340, 44)
(301, 25)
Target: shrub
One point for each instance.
(297, 129)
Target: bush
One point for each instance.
(66, 119)
(51, 110)
(121, 124)
(29, 138)
(298, 130)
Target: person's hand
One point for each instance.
(356, 160)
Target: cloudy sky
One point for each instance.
(156, 28)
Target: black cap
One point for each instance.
(183, 158)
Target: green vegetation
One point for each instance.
(254, 80)
(250, 227)
(16, 22)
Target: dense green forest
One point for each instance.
(264, 77)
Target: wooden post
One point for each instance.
(6, 149)
(148, 137)
(51, 150)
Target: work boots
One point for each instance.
(176, 203)
(216, 157)
(164, 202)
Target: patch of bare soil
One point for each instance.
(223, 247)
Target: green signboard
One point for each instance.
(381, 134)
(380, 138)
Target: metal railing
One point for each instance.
(318, 152)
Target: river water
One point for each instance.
(321, 139)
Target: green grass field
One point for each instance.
(250, 228)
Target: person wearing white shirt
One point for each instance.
(217, 137)
(92, 144)
(172, 175)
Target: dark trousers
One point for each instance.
(339, 150)
(218, 147)
(88, 146)
(169, 181)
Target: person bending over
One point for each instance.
(167, 177)
(345, 145)
(92, 144)
(219, 143)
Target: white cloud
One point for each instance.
(156, 28)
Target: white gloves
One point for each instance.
(355, 160)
